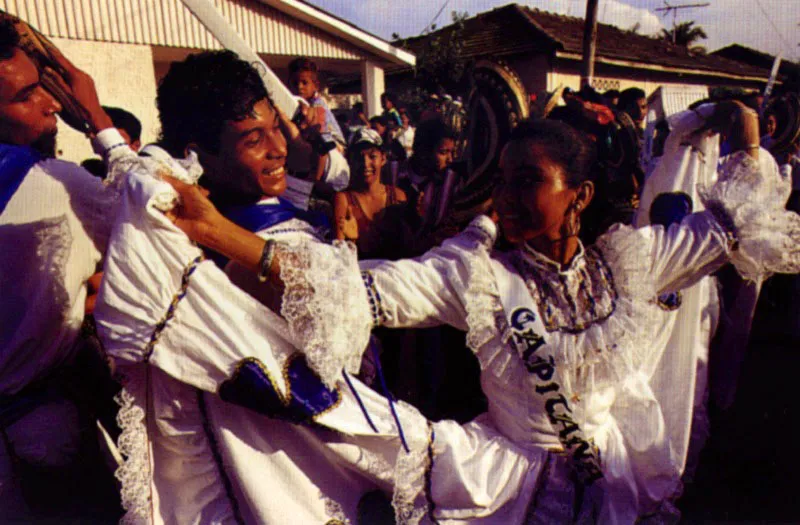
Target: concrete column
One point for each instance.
(373, 86)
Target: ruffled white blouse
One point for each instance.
(603, 321)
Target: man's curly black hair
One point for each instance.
(198, 95)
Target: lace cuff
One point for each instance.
(748, 201)
(157, 162)
(325, 303)
(484, 230)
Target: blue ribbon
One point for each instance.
(15, 162)
(257, 217)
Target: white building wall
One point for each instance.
(573, 81)
(170, 23)
(124, 77)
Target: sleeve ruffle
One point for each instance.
(158, 163)
(325, 303)
(749, 200)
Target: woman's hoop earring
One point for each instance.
(573, 225)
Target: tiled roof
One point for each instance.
(755, 58)
(513, 29)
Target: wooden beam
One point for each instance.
(589, 42)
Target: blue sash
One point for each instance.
(257, 217)
(15, 162)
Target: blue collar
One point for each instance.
(15, 162)
(260, 216)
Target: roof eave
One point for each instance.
(344, 30)
(665, 69)
(526, 14)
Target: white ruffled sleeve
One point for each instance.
(331, 303)
(430, 289)
(325, 304)
(744, 222)
(161, 303)
(749, 199)
(649, 261)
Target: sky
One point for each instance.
(772, 26)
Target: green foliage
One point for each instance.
(440, 68)
(684, 34)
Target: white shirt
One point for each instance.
(53, 232)
(337, 171)
(406, 139)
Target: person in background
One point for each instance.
(128, 126)
(384, 127)
(304, 82)
(390, 113)
(380, 124)
(356, 209)
(358, 117)
(433, 108)
(406, 133)
(611, 97)
(633, 101)
(434, 151)
(131, 130)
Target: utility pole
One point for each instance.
(589, 43)
(674, 9)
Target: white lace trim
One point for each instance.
(325, 304)
(411, 468)
(753, 194)
(334, 510)
(134, 474)
(187, 170)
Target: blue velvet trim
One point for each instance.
(15, 162)
(252, 387)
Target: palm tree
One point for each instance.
(684, 34)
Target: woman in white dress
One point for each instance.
(567, 336)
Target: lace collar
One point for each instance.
(547, 264)
(570, 297)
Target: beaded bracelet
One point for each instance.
(265, 262)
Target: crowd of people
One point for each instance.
(377, 351)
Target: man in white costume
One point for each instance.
(193, 455)
(55, 221)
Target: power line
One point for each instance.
(430, 24)
(778, 31)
